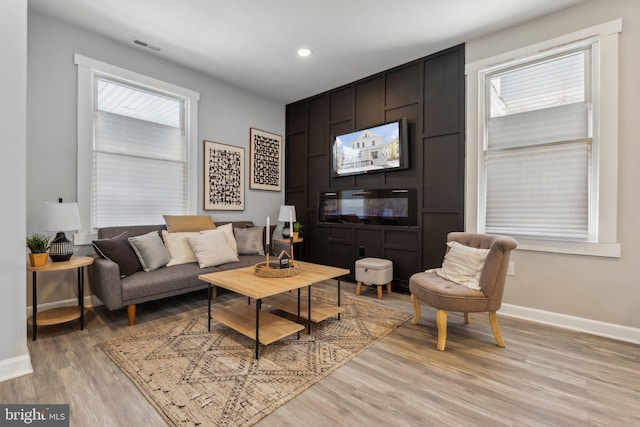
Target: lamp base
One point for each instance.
(61, 248)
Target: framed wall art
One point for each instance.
(265, 161)
(223, 177)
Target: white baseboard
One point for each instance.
(15, 367)
(580, 324)
(89, 301)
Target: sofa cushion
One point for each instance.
(178, 246)
(212, 248)
(147, 286)
(119, 250)
(180, 223)
(249, 240)
(150, 250)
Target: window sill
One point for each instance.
(608, 250)
(80, 239)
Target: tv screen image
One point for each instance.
(375, 149)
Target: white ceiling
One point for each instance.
(253, 43)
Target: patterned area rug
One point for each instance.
(194, 377)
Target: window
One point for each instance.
(537, 160)
(546, 149)
(136, 148)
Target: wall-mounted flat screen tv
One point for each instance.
(379, 148)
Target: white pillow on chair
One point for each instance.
(462, 265)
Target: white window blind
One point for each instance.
(538, 149)
(139, 155)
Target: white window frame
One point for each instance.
(88, 68)
(605, 112)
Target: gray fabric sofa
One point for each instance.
(142, 286)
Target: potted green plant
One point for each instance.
(297, 228)
(38, 244)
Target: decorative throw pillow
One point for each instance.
(118, 250)
(212, 248)
(227, 229)
(178, 223)
(150, 250)
(463, 265)
(178, 247)
(272, 229)
(249, 240)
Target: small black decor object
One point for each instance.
(284, 260)
(60, 217)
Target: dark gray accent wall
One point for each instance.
(429, 93)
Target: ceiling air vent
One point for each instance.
(146, 45)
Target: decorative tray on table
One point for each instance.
(273, 269)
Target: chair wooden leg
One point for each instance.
(389, 288)
(131, 314)
(358, 288)
(467, 318)
(416, 309)
(441, 321)
(379, 291)
(493, 318)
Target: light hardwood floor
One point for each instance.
(544, 377)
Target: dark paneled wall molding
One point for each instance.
(429, 93)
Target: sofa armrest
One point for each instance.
(104, 281)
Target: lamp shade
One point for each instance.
(284, 213)
(60, 217)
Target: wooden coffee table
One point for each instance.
(265, 327)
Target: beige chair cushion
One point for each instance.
(446, 295)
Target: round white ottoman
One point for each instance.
(374, 271)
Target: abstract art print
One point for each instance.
(223, 177)
(265, 161)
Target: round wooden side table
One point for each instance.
(60, 314)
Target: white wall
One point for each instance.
(14, 355)
(226, 113)
(604, 292)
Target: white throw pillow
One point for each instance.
(227, 229)
(463, 265)
(178, 247)
(211, 248)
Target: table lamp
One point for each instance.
(288, 216)
(60, 217)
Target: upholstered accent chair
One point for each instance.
(445, 295)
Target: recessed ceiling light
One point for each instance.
(304, 52)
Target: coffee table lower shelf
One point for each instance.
(243, 319)
(288, 303)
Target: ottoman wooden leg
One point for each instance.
(358, 288)
(379, 291)
(389, 288)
